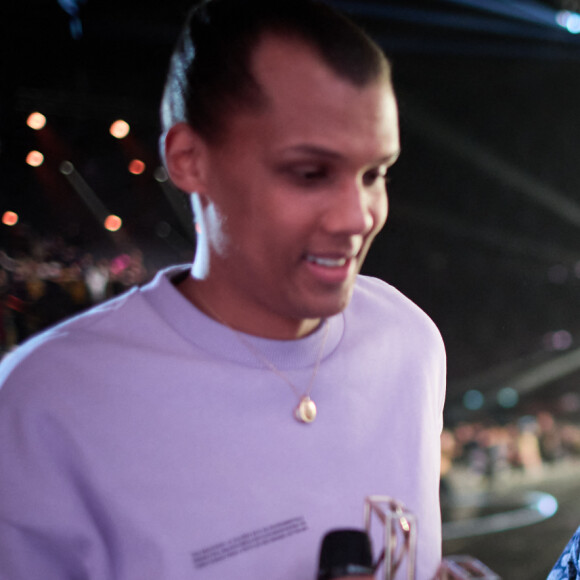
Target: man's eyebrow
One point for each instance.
(316, 150)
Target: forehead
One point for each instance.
(305, 100)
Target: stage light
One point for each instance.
(119, 129)
(473, 400)
(136, 167)
(547, 505)
(160, 175)
(66, 168)
(35, 158)
(10, 218)
(569, 20)
(508, 398)
(36, 121)
(558, 340)
(113, 223)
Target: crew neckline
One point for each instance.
(217, 339)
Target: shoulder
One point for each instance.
(127, 319)
(385, 320)
(382, 303)
(105, 339)
(380, 292)
(41, 358)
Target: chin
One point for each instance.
(330, 307)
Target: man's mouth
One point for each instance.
(327, 262)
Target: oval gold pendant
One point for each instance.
(306, 410)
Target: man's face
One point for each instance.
(298, 188)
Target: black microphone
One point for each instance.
(345, 553)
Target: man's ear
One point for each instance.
(185, 158)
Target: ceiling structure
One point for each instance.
(485, 201)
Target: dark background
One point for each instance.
(485, 200)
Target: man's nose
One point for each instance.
(351, 211)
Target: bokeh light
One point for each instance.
(66, 167)
(35, 158)
(508, 398)
(10, 218)
(119, 129)
(558, 340)
(569, 20)
(473, 400)
(136, 167)
(160, 175)
(113, 223)
(36, 121)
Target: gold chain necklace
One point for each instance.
(305, 411)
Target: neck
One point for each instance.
(244, 318)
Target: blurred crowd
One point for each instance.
(491, 453)
(53, 281)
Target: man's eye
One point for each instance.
(312, 173)
(309, 174)
(370, 177)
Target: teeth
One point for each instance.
(327, 262)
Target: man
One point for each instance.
(217, 422)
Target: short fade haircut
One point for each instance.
(210, 70)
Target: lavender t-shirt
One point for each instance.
(145, 441)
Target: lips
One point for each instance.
(330, 269)
(327, 262)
